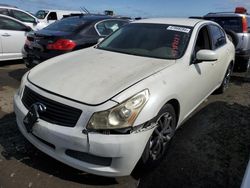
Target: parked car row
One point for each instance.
(38, 21)
(237, 26)
(74, 31)
(69, 34)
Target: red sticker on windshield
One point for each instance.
(175, 45)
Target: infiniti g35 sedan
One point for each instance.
(105, 108)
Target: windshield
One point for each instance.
(67, 24)
(41, 14)
(150, 40)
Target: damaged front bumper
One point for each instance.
(101, 154)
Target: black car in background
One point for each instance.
(68, 34)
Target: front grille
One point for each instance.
(56, 113)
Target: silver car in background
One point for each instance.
(237, 26)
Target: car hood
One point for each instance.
(93, 76)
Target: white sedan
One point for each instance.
(104, 108)
(12, 38)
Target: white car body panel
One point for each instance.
(12, 42)
(109, 79)
(95, 80)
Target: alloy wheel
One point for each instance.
(227, 78)
(162, 134)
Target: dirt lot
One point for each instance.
(210, 150)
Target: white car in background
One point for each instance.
(50, 16)
(12, 38)
(24, 16)
(104, 108)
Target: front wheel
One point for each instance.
(165, 125)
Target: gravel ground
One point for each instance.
(210, 150)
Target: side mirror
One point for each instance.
(100, 40)
(206, 55)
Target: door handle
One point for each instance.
(6, 35)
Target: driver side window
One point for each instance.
(203, 40)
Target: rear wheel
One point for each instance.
(225, 83)
(159, 141)
(244, 65)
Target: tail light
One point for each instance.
(62, 44)
(244, 25)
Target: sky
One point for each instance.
(136, 8)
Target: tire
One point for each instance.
(232, 36)
(244, 65)
(225, 82)
(158, 143)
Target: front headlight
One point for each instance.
(121, 116)
(23, 81)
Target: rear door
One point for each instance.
(13, 37)
(219, 42)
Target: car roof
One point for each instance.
(57, 10)
(16, 8)
(171, 21)
(225, 14)
(93, 17)
(9, 6)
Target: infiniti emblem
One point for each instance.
(32, 116)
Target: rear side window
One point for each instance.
(4, 11)
(109, 26)
(218, 36)
(8, 24)
(228, 23)
(22, 16)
